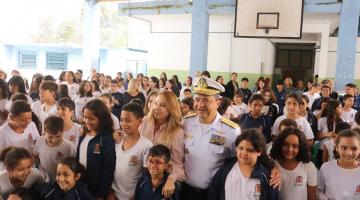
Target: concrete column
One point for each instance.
(199, 37)
(346, 52)
(323, 57)
(91, 32)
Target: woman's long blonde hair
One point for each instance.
(175, 117)
(132, 87)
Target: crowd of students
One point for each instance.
(139, 139)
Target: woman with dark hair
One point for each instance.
(251, 167)
(326, 124)
(153, 86)
(162, 83)
(17, 85)
(177, 82)
(171, 86)
(35, 85)
(305, 112)
(61, 78)
(187, 85)
(260, 85)
(292, 157)
(96, 148)
(85, 96)
(72, 85)
(164, 76)
(95, 88)
(270, 109)
(62, 92)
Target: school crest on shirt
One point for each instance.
(257, 191)
(299, 181)
(59, 155)
(133, 161)
(301, 128)
(72, 138)
(188, 135)
(97, 149)
(357, 190)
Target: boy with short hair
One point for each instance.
(117, 97)
(187, 93)
(131, 152)
(150, 184)
(245, 90)
(109, 102)
(51, 148)
(280, 94)
(255, 119)
(347, 112)
(46, 106)
(66, 110)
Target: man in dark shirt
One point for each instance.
(245, 90)
(280, 94)
(232, 86)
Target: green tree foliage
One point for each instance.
(113, 29)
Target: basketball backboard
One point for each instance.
(269, 18)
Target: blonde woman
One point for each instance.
(150, 101)
(133, 93)
(163, 125)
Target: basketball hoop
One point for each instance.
(261, 18)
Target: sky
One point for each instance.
(20, 18)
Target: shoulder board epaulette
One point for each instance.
(190, 115)
(229, 122)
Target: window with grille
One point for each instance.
(56, 61)
(27, 60)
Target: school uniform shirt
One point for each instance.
(206, 148)
(263, 123)
(116, 121)
(349, 116)
(294, 182)
(9, 137)
(73, 134)
(176, 146)
(51, 156)
(129, 167)
(280, 96)
(323, 128)
(247, 94)
(238, 110)
(330, 146)
(52, 191)
(84, 149)
(39, 110)
(338, 183)
(35, 177)
(302, 124)
(73, 90)
(145, 191)
(311, 98)
(9, 102)
(239, 187)
(100, 158)
(80, 102)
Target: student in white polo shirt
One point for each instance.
(298, 174)
(292, 108)
(19, 130)
(47, 104)
(131, 152)
(51, 148)
(339, 179)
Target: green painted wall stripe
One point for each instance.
(182, 74)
